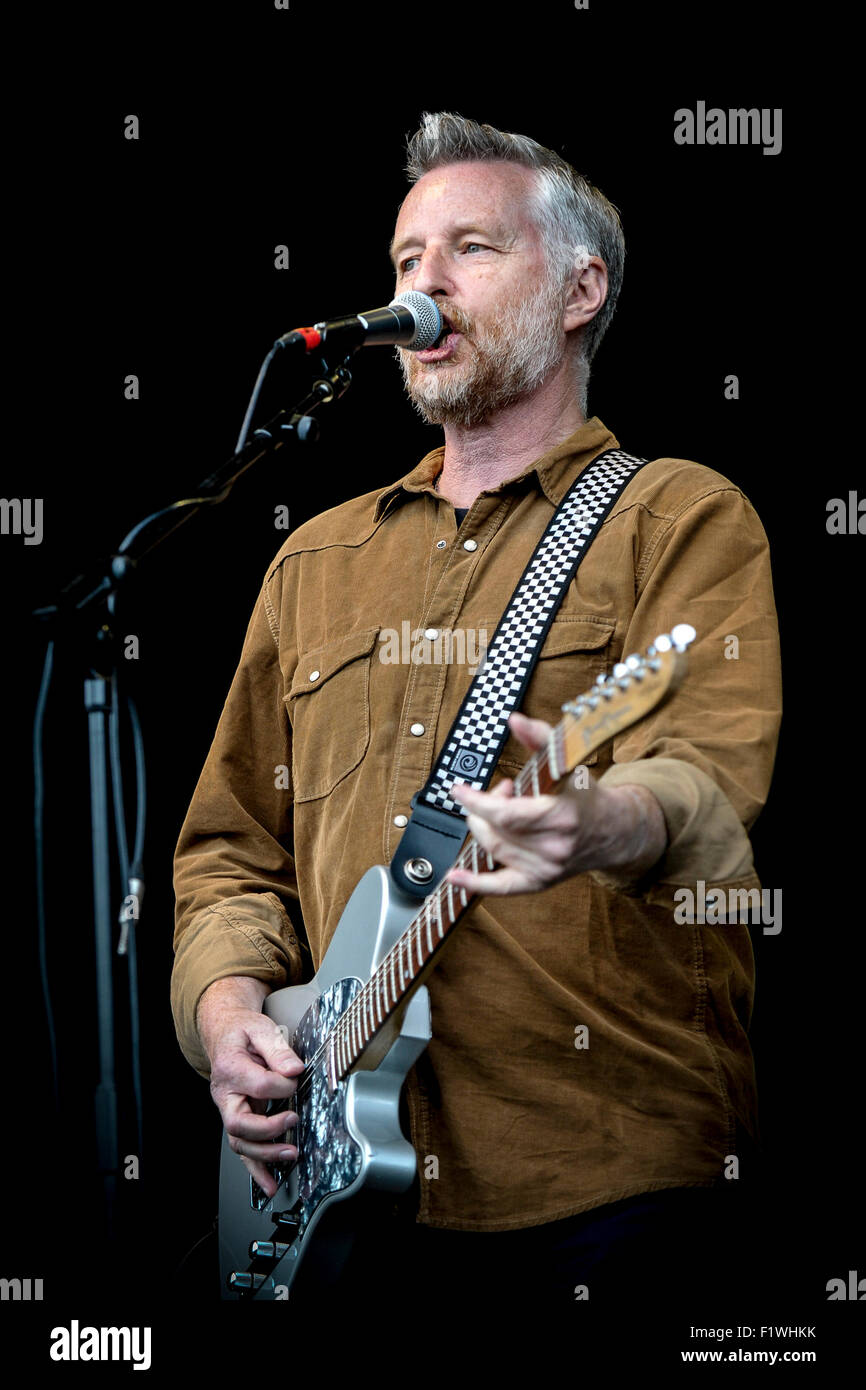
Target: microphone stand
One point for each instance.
(91, 599)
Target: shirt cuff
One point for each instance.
(706, 838)
(248, 935)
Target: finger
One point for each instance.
(519, 815)
(498, 884)
(532, 733)
(243, 1123)
(263, 1153)
(503, 791)
(262, 1176)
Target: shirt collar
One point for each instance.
(556, 470)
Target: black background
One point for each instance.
(156, 257)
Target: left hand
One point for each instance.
(540, 840)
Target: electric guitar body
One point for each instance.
(350, 1137)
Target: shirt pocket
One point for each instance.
(329, 709)
(575, 652)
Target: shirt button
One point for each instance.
(417, 730)
(314, 675)
(401, 821)
(440, 545)
(470, 545)
(431, 633)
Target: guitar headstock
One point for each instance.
(622, 697)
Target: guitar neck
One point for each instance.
(617, 701)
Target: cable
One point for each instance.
(254, 399)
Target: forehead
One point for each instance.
(494, 195)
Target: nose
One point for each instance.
(432, 274)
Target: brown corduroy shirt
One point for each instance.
(530, 1119)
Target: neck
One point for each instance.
(481, 457)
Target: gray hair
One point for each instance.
(571, 213)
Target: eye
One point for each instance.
(406, 265)
(474, 246)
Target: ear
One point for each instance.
(587, 290)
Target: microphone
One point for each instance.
(412, 320)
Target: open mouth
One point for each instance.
(447, 327)
(444, 346)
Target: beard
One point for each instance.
(502, 360)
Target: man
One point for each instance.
(589, 1080)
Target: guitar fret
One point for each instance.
(391, 955)
(369, 1017)
(438, 916)
(551, 755)
(450, 904)
(429, 926)
(414, 935)
(533, 772)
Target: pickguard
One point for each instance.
(329, 1158)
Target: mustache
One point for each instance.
(455, 316)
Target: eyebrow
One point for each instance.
(396, 249)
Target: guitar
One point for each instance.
(364, 1019)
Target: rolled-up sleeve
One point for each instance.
(708, 753)
(234, 869)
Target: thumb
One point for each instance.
(532, 733)
(271, 1041)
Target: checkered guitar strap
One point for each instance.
(436, 830)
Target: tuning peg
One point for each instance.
(633, 661)
(663, 643)
(574, 707)
(620, 670)
(682, 635)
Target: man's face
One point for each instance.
(465, 236)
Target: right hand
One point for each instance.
(251, 1063)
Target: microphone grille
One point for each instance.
(428, 320)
